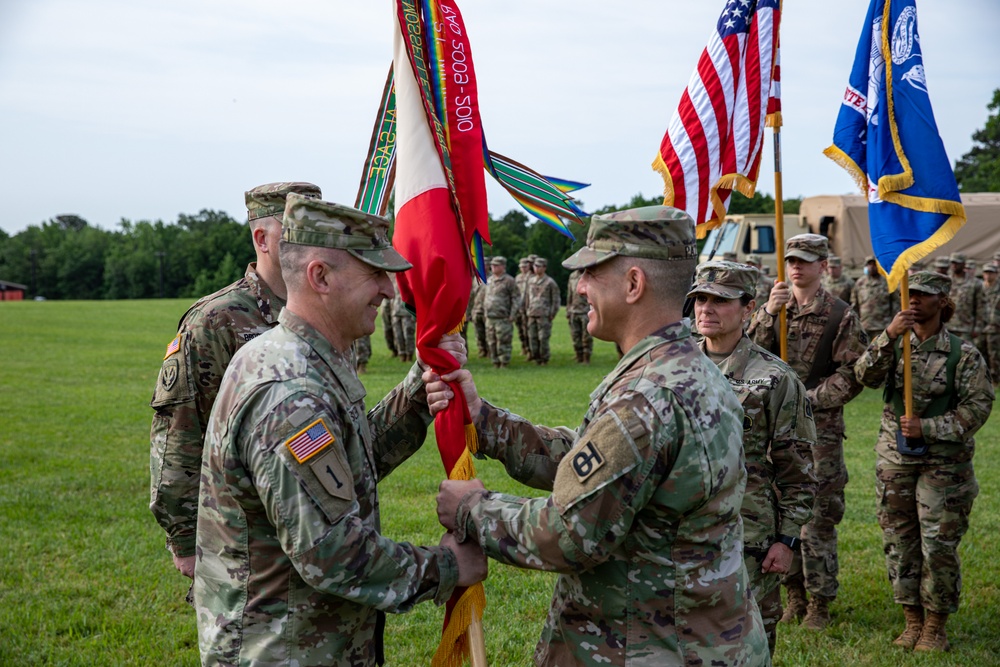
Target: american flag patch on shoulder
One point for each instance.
(174, 345)
(309, 441)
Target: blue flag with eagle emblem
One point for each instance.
(886, 138)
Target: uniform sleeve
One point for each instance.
(761, 329)
(186, 388)
(515, 300)
(874, 366)
(975, 402)
(979, 304)
(554, 294)
(530, 453)
(399, 422)
(314, 509)
(839, 388)
(600, 485)
(791, 454)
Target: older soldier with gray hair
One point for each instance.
(643, 521)
(778, 431)
(208, 336)
(292, 568)
(924, 480)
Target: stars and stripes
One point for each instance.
(174, 345)
(713, 143)
(309, 441)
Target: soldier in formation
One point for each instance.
(478, 299)
(291, 567)
(541, 308)
(764, 283)
(835, 282)
(970, 302)
(942, 266)
(404, 326)
(502, 302)
(778, 431)
(925, 482)
(645, 497)
(825, 339)
(576, 314)
(524, 268)
(872, 300)
(989, 340)
(387, 328)
(363, 353)
(208, 336)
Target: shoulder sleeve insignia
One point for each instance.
(310, 441)
(173, 347)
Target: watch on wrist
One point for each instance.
(790, 542)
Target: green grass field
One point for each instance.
(85, 580)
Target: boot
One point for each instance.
(817, 613)
(796, 607)
(914, 615)
(579, 357)
(586, 358)
(933, 637)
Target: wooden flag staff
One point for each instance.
(779, 228)
(904, 302)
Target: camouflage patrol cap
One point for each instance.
(918, 265)
(502, 261)
(996, 257)
(990, 267)
(833, 260)
(524, 261)
(652, 232)
(314, 222)
(808, 247)
(870, 259)
(957, 258)
(754, 260)
(930, 282)
(941, 263)
(729, 280)
(541, 261)
(269, 199)
(729, 256)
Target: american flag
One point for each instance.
(309, 440)
(713, 143)
(174, 345)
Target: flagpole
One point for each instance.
(779, 228)
(904, 301)
(477, 640)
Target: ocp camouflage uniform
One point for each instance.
(842, 287)
(778, 437)
(404, 327)
(818, 564)
(970, 307)
(541, 308)
(874, 303)
(923, 503)
(991, 330)
(387, 330)
(479, 319)
(576, 313)
(501, 302)
(521, 320)
(363, 350)
(764, 286)
(643, 523)
(291, 567)
(208, 336)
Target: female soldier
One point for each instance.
(925, 483)
(778, 430)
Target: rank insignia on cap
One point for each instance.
(309, 441)
(174, 345)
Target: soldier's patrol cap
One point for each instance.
(541, 261)
(652, 232)
(502, 261)
(991, 267)
(729, 256)
(754, 259)
(524, 261)
(870, 259)
(269, 199)
(957, 258)
(833, 260)
(808, 247)
(729, 280)
(930, 282)
(314, 222)
(996, 257)
(941, 263)
(918, 265)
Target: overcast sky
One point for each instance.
(135, 109)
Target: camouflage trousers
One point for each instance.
(583, 343)
(404, 332)
(539, 332)
(766, 588)
(992, 354)
(482, 345)
(816, 565)
(363, 349)
(521, 320)
(924, 512)
(500, 337)
(389, 333)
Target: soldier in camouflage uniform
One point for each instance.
(970, 302)
(764, 283)
(541, 307)
(643, 521)
(778, 431)
(925, 482)
(834, 280)
(479, 320)
(387, 330)
(291, 566)
(363, 352)
(208, 336)
(825, 338)
(872, 300)
(942, 266)
(502, 302)
(404, 326)
(524, 274)
(576, 313)
(989, 341)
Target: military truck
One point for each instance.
(750, 234)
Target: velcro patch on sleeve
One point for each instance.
(606, 451)
(310, 441)
(334, 474)
(173, 346)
